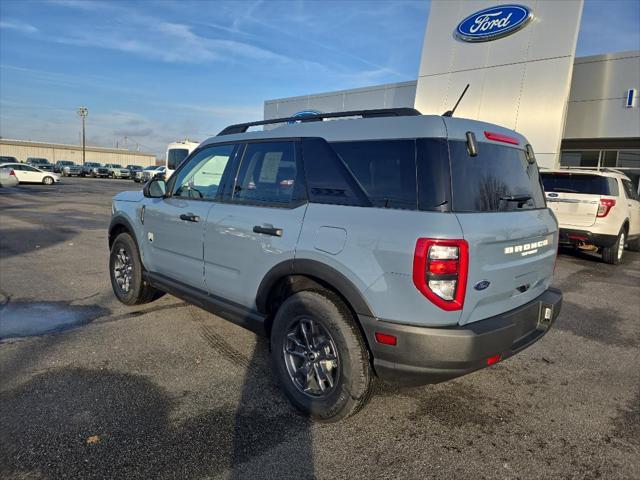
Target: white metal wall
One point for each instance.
(597, 104)
(381, 96)
(520, 81)
(53, 153)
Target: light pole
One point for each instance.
(83, 112)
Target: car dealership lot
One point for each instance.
(167, 390)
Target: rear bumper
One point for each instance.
(569, 236)
(432, 355)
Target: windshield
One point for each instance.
(115, 165)
(175, 156)
(151, 167)
(579, 183)
(38, 160)
(498, 179)
(64, 162)
(91, 164)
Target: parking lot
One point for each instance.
(167, 390)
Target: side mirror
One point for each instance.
(154, 188)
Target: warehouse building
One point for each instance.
(55, 151)
(523, 74)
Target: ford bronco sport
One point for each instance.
(408, 247)
(596, 210)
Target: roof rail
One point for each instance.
(380, 112)
(594, 169)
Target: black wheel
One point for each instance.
(320, 357)
(125, 269)
(634, 245)
(613, 254)
(47, 180)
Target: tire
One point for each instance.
(634, 245)
(613, 254)
(347, 375)
(133, 290)
(47, 180)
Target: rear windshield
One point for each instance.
(498, 179)
(579, 183)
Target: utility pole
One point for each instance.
(83, 112)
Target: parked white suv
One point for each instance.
(598, 210)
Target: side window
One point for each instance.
(385, 169)
(268, 175)
(201, 177)
(628, 189)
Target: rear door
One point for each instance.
(512, 236)
(575, 197)
(259, 223)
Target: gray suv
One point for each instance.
(396, 245)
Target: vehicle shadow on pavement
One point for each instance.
(93, 423)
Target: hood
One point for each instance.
(130, 196)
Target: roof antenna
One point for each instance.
(449, 113)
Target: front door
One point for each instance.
(174, 226)
(258, 224)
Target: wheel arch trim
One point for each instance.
(119, 220)
(316, 270)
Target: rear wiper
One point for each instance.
(520, 199)
(516, 198)
(568, 190)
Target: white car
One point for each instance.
(596, 210)
(30, 174)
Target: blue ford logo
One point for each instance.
(492, 23)
(304, 113)
(482, 285)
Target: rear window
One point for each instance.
(579, 183)
(385, 169)
(175, 156)
(498, 179)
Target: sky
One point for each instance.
(152, 72)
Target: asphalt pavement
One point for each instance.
(166, 390)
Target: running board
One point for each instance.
(226, 309)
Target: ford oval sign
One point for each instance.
(303, 114)
(493, 23)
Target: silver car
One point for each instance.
(410, 247)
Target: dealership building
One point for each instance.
(519, 61)
(22, 150)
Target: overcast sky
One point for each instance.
(157, 71)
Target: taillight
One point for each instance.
(499, 137)
(605, 206)
(440, 271)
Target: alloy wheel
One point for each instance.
(123, 270)
(621, 246)
(311, 357)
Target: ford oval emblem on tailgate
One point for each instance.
(482, 285)
(493, 23)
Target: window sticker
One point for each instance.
(270, 166)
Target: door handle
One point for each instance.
(276, 232)
(190, 217)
